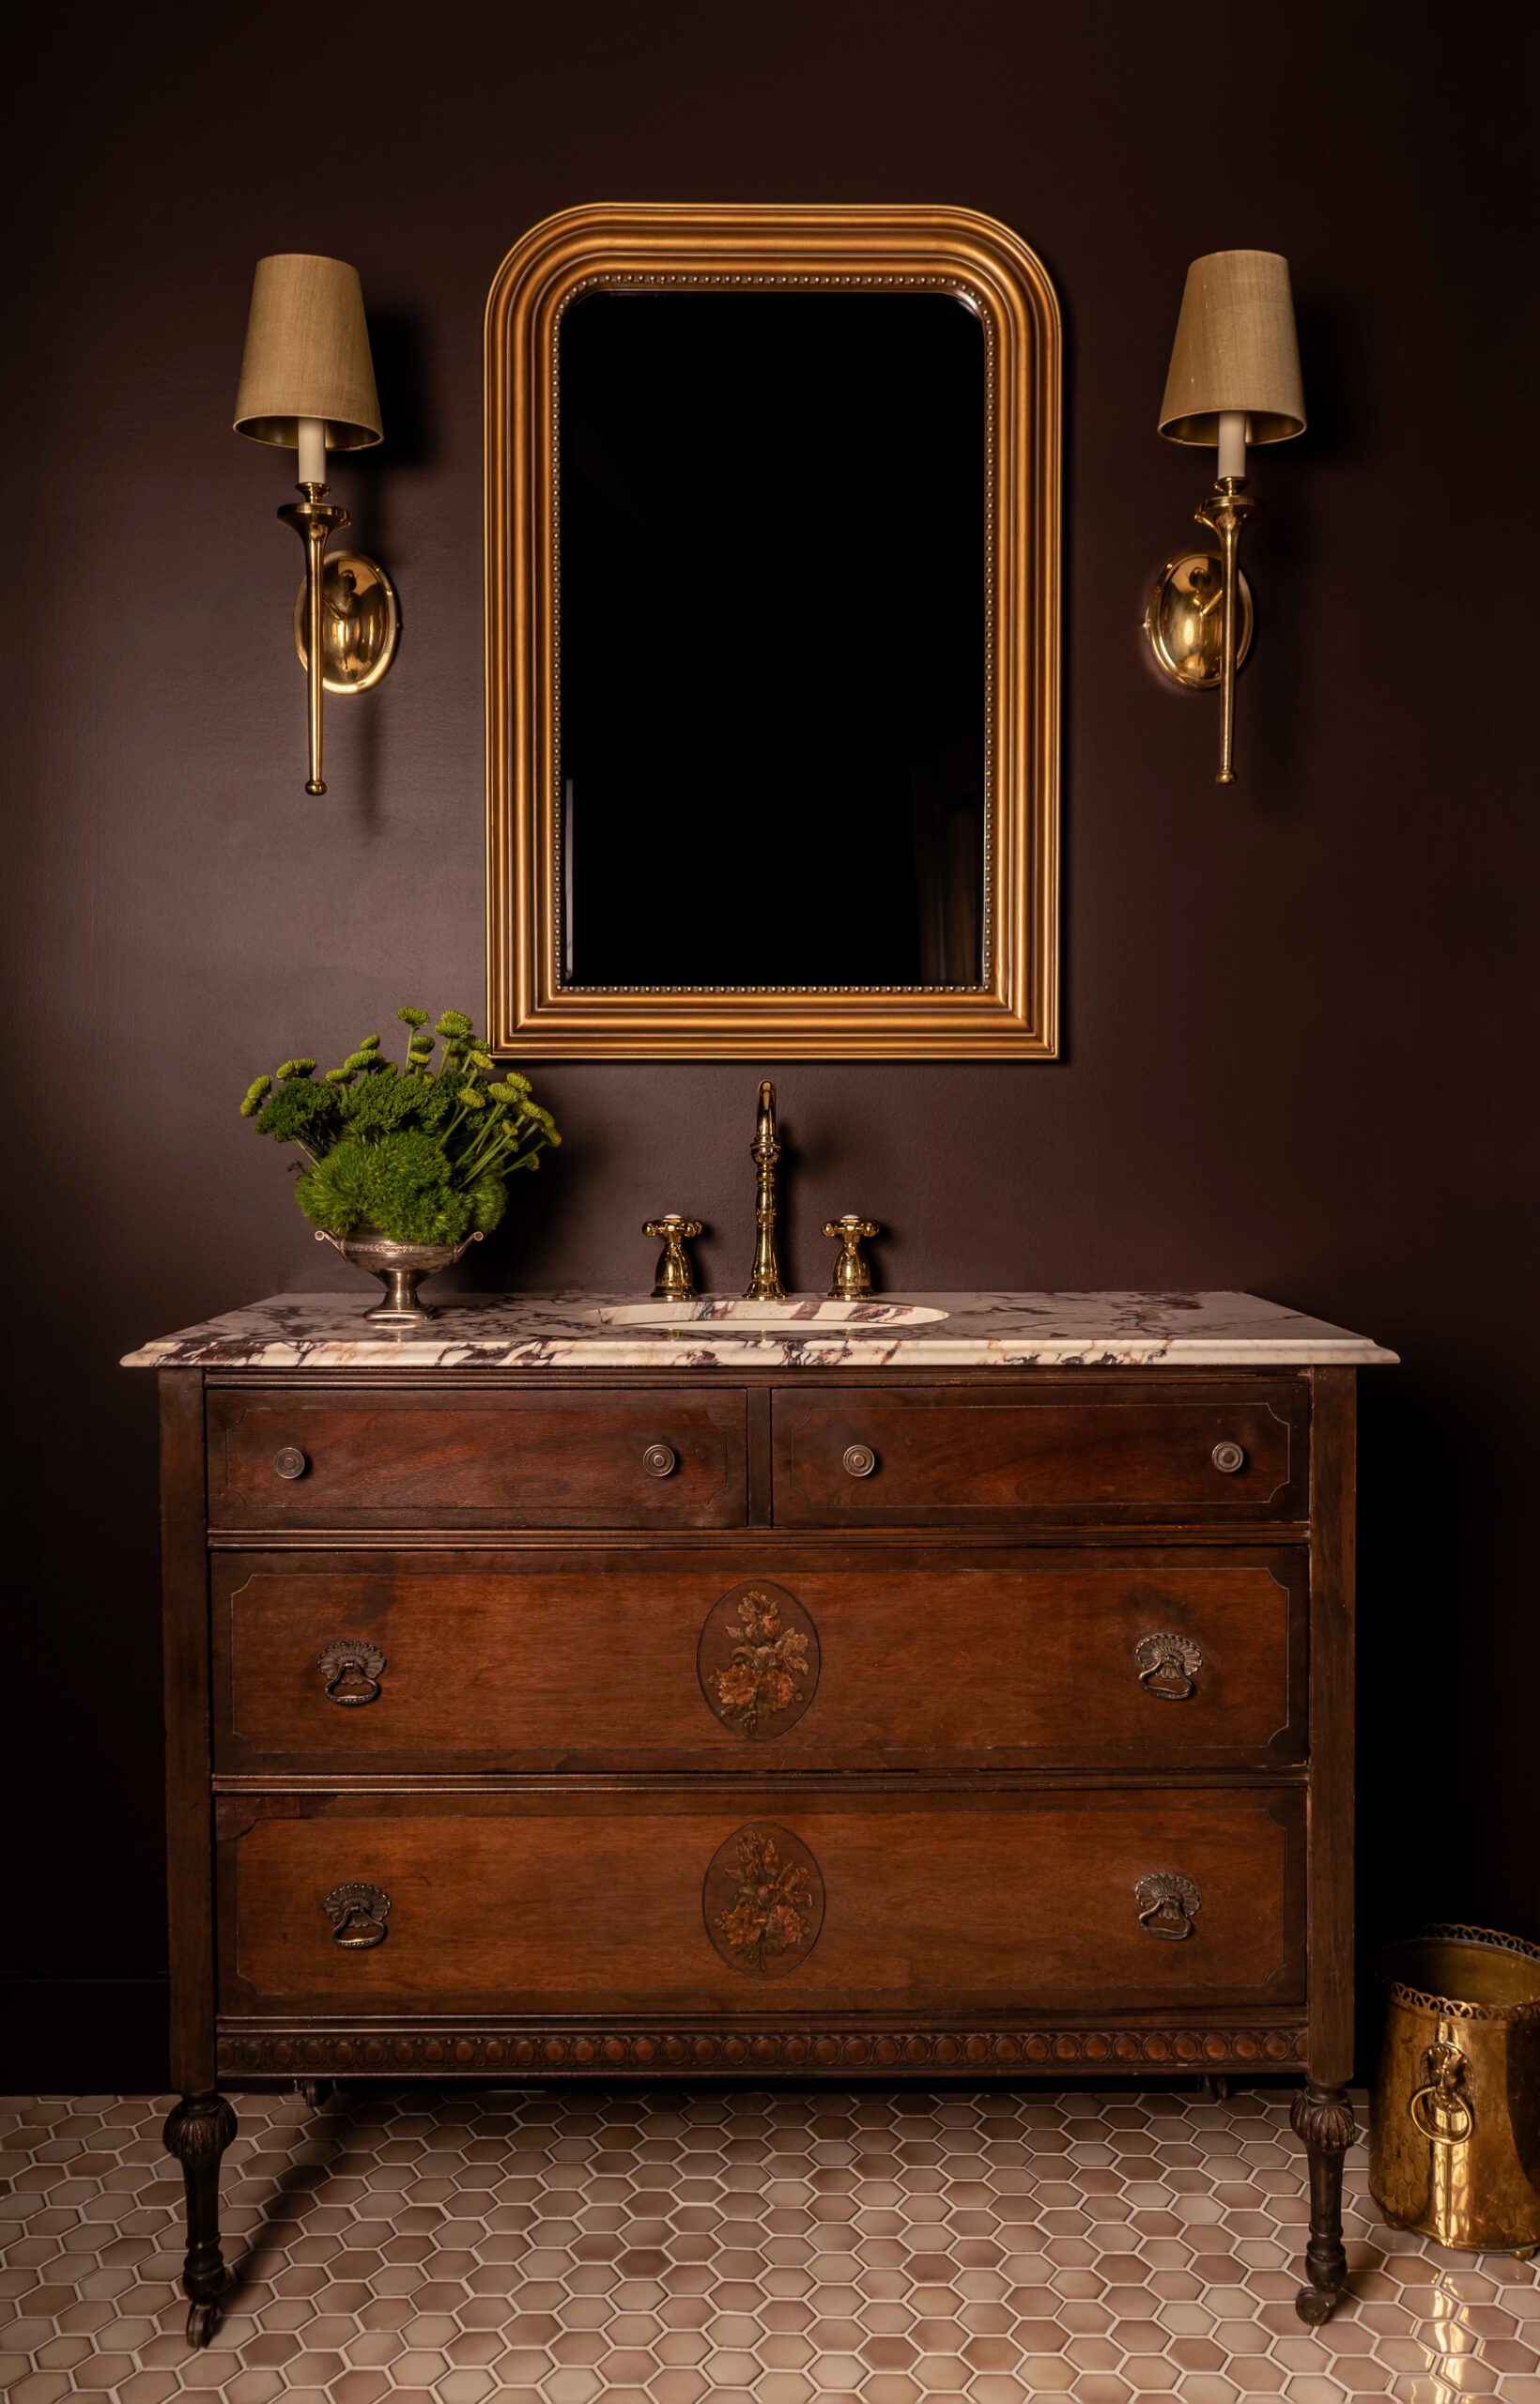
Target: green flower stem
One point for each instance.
(489, 1129)
(500, 1147)
(508, 1135)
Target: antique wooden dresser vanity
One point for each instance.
(551, 1698)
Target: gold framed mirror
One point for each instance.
(771, 636)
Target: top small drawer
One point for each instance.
(1224, 1451)
(422, 1459)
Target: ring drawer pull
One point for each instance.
(351, 1671)
(1228, 1458)
(358, 1916)
(859, 1460)
(660, 1460)
(1168, 1667)
(1167, 1904)
(290, 1462)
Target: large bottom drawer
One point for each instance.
(707, 1899)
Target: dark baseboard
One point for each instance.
(84, 2036)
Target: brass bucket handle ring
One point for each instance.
(1453, 2103)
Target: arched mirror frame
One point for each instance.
(1015, 1011)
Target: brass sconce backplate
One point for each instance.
(360, 622)
(1184, 621)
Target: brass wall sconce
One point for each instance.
(1234, 380)
(307, 383)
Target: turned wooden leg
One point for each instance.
(197, 2132)
(316, 2091)
(1216, 2086)
(1323, 2120)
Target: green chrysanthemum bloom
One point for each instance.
(414, 1018)
(454, 1023)
(400, 1185)
(295, 1068)
(369, 1044)
(356, 1060)
(256, 1093)
(473, 1095)
(301, 1113)
(488, 1199)
(385, 1103)
(505, 1093)
(338, 1076)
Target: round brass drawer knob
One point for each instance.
(859, 1460)
(290, 1462)
(1228, 1458)
(660, 1460)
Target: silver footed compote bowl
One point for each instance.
(400, 1268)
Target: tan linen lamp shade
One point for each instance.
(307, 355)
(1235, 351)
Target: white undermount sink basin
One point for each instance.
(798, 1315)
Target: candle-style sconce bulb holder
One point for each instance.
(307, 382)
(1234, 380)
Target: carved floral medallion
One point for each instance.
(759, 1661)
(763, 1901)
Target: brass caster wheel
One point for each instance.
(317, 2091)
(201, 2321)
(1316, 2305)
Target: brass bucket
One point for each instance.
(1454, 2137)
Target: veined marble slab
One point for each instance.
(561, 1331)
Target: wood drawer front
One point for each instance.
(888, 1657)
(446, 1460)
(591, 1902)
(1129, 1452)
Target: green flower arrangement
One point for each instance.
(420, 1153)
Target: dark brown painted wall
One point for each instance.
(1299, 1014)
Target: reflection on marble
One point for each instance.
(569, 1332)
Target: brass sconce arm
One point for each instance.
(315, 520)
(1224, 513)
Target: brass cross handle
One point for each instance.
(674, 1279)
(851, 1270)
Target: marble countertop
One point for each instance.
(568, 1331)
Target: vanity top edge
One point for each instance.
(558, 1330)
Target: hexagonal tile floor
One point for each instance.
(869, 2246)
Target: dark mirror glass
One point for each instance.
(770, 648)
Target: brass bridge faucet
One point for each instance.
(764, 1283)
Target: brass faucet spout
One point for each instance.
(764, 1283)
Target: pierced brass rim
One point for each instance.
(1485, 1940)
